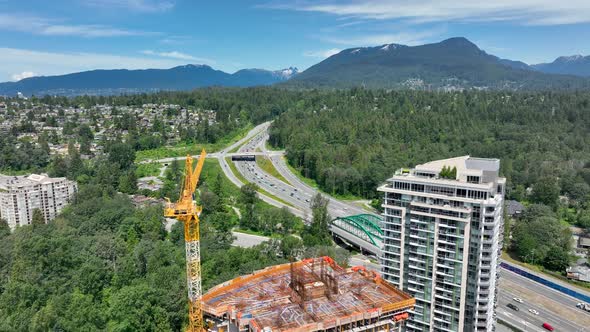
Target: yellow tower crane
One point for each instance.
(187, 211)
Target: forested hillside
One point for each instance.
(350, 141)
(449, 65)
(105, 265)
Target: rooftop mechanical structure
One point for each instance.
(310, 295)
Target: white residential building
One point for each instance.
(442, 240)
(20, 195)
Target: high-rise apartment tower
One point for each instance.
(443, 229)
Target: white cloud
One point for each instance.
(145, 6)
(528, 12)
(23, 75)
(322, 54)
(177, 55)
(43, 26)
(405, 38)
(50, 63)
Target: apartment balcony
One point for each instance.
(446, 289)
(451, 234)
(439, 327)
(416, 235)
(449, 257)
(485, 292)
(484, 283)
(417, 267)
(442, 312)
(484, 275)
(445, 305)
(393, 262)
(415, 291)
(443, 324)
(420, 251)
(443, 266)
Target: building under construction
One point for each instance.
(310, 295)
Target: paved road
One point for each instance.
(554, 307)
(296, 192)
(247, 240)
(362, 260)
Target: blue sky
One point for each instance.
(63, 36)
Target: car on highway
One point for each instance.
(518, 299)
(533, 311)
(547, 327)
(512, 306)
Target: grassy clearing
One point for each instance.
(150, 169)
(210, 174)
(182, 149)
(267, 166)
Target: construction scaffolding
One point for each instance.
(310, 295)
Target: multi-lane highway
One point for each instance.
(296, 193)
(553, 307)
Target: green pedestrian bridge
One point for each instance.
(363, 231)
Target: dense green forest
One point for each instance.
(350, 141)
(105, 264)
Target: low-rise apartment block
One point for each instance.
(20, 195)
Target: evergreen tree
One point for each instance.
(4, 228)
(128, 182)
(37, 218)
(318, 232)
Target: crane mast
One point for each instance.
(187, 211)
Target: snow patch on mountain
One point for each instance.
(287, 72)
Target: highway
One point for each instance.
(554, 307)
(296, 193)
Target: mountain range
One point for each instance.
(451, 64)
(117, 81)
(455, 63)
(572, 65)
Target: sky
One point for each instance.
(64, 36)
